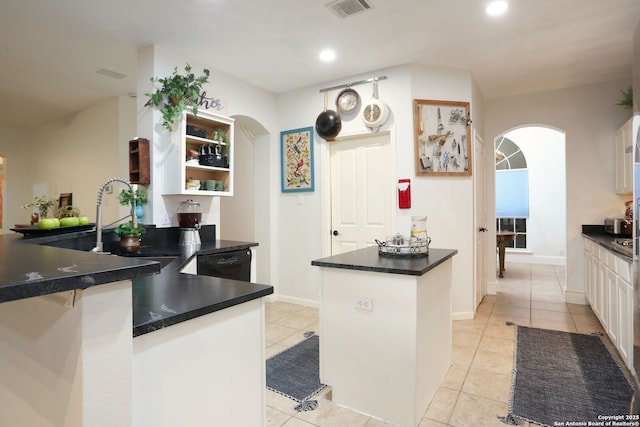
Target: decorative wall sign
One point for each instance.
(297, 160)
(212, 103)
(442, 137)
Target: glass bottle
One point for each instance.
(189, 214)
(418, 229)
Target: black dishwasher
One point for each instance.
(228, 265)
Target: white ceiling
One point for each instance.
(50, 50)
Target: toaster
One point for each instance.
(617, 226)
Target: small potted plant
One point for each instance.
(125, 198)
(130, 236)
(42, 204)
(176, 93)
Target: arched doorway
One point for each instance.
(542, 151)
(247, 215)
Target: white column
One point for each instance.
(64, 366)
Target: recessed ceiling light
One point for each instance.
(497, 7)
(327, 55)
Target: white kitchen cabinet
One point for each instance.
(215, 133)
(624, 158)
(611, 311)
(625, 320)
(588, 271)
(609, 292)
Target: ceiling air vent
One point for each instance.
(344, 8)
(111, 73)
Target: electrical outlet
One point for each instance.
(300, 199)
(166, 220)
(363, 303)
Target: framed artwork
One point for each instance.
(66, 199)
(442, 137)
(296, 148)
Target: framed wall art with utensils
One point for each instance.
(442, 137)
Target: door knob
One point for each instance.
(335, 232)
(482, 229)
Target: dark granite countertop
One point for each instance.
(608, 241)
(41, 266)
(173, 297)
(368, 259)
(34, 270)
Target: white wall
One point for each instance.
(240, 99)
(76, 156)
(589, 117)
(544, 150)
(446, 201)
(17, 187)
(290, 249)
(237, 213)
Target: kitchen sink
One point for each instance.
(84, 242)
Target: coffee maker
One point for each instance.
(189, 218)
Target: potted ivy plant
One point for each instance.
(176, 93)
(126, 198)
(130, 236)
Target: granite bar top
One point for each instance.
(173, 297)
(33, 270)
(608, 241)
(162, 295)
(368, 259)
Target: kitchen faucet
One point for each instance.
(98, 248)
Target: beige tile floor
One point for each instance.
(476, 389)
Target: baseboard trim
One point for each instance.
(575, 298)
(293, 300)
(463, 315)
(527, 258)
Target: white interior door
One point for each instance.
(362, 191)
(480, 221)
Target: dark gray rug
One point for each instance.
(561, 376)
(295, 372)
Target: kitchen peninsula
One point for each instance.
(68, 319)
(385, 330)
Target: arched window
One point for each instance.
(512, 191)
(509, 155)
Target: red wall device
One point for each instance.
(404, 193)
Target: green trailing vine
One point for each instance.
(176, 93)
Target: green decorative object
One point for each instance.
(68, 211)
(127, 229)
(627, 98)
(175, 94)
(129, 236)
(125, 197)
